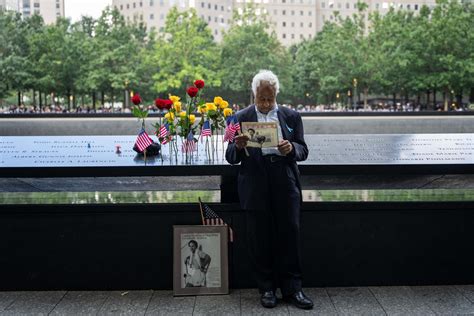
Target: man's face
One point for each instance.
(265, 98)
(192, 246)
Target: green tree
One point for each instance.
(247, 47)
(185, 51)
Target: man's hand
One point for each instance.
(285, 147)
(241, 141)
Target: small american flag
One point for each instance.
(143, 141)
(189, 144)
(231, 129)
(164, 133)
(210, 218)
(206, 129)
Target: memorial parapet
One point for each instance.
(84, 156)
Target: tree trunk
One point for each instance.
(82, 100)
(445, 100)
(34, 98)
(93, 100)
(418, 97)
(366, 95)
(19, 97)
(68, 95)
(427, 99)
(113, 100)
(394, 100)
(434, 99)
(40, 100)
(102, 98)
(459, 100)
(471, 95)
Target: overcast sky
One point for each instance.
(76, 8)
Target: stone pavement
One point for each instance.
(386, 300)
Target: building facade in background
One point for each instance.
(50, 10)
(293, 20)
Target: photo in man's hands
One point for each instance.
(261, 135)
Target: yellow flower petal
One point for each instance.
(202, 109)
(227, 112)
(211, 106)
(177, 106)
(192, 118)
(174, 98)
(224, 104)
(169, 116)
(182, 114)
(218, 100)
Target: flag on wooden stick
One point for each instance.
(210, 218)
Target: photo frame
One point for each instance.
(261, 134)
(200, 260)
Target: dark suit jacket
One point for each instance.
(252, 181)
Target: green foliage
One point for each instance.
(183, 53)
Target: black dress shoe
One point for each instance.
(268, 299)
(299, 300)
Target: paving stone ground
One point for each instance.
(373, 300)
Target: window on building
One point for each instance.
(208, 5)
(215, 19)
(323, 5)
(162, 16)
(301, 24)
(215, 7)
(162, 2)
(134, 5)
(283, 24)
(275, 12)
(222, 20)
(283, 1)
(310, 24)
(301, 13)
(408, 7)
(209, 19)
(324, 17)
(301, 36)
(36, 5)
(416, 7)
(283, 12)
(339, 5)
(151, 3)
(283, 35)
(202, 4)
(292, 24)
(141, 4)
(152, 16)
(331, 5)
(401, 6)
(292, 12)
(58, 6)
(121, 7)
(292, 36)
(348, 6)
(222, 8)
(216, 32)
(128, 6)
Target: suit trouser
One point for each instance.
(274, 232)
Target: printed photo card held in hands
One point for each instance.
(261, 135)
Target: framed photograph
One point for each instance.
(261, 135)
(200, 262)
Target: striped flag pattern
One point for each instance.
(143, 141)
(206, 129)
(210, 218)
(189, 144)
(233, 126)
(164, 133)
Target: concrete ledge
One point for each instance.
(312, 125)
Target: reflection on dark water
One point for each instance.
(213, 196)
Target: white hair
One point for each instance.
(265, 76)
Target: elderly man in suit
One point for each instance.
(270, 193)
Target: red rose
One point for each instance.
(136, 99)
(167, 104)
(160, 103)
(192, 91)
(199, 84)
